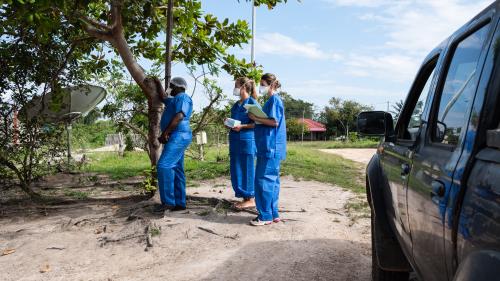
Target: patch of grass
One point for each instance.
(311, 164)
(198, 170)
(357, 144)
(357, 208)
(131, 164)
(204, 213)
(135, 163)
(303, 162)
(364, 143)
(190, 183)
(80, 195)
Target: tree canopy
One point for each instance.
(341, 115)
(102, 36)
(296, 108)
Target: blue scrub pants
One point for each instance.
(267, 187)
(170, 168)
(242, 167)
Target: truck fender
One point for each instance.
(390, 256)
(480, 265)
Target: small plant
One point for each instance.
(204, 213)
(353, 137)
(93, 178)
(80, 195)
(154, 231)
(150, 183)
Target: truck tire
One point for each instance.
(379, 274)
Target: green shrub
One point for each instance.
(129, 143)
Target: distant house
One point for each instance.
(316, 130)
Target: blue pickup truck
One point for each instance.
(434, 184)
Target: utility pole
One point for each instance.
(168, 43)
(388, 106)
(303, 121)
(254, 18)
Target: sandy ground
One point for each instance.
(318, 240)
(362, 155)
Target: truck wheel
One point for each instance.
(379, 274)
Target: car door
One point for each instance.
(396, 155)
(436, 156)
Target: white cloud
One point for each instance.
(419, 26)
(393, 66)
(282, 45)
(409, 28)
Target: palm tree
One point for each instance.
(396, 109)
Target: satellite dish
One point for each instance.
(66, 105)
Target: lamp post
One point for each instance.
(168, 40)
(254, 17)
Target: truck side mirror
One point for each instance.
(440, 131)
(376, 123)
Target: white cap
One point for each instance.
(179, 82)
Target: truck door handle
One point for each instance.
(437, 189)
(405, 169)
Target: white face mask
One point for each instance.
(236, 92)
(263, 90)
(168, 91)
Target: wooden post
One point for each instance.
(168, 42)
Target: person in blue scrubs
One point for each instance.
(242, 144)
(176, 136)
(270, 139)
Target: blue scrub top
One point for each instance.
(243, 141)
(180, 103)
(271, 141)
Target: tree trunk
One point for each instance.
(347, 133)
(28, 190)
(155, 109)
(151, 86)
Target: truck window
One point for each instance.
(416, 115)
(459, 88)
(411, 116)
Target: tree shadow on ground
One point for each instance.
(318, 259)
(117, 206)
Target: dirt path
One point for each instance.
(362, 155)
(319, 239)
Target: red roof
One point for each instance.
(312, 125)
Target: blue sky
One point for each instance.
(365, 50)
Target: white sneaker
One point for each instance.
(257, 222)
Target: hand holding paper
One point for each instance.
(231, 123)
(255, 110)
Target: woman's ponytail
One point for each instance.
(253, 91)
(271, 80)
(249, 86)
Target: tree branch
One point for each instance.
(94, 23)
(98, 33)
(135, 129)
(204, 115)
(5, 162)
(116, 16)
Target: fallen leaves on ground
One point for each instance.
(45, 268)
(8, 251)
